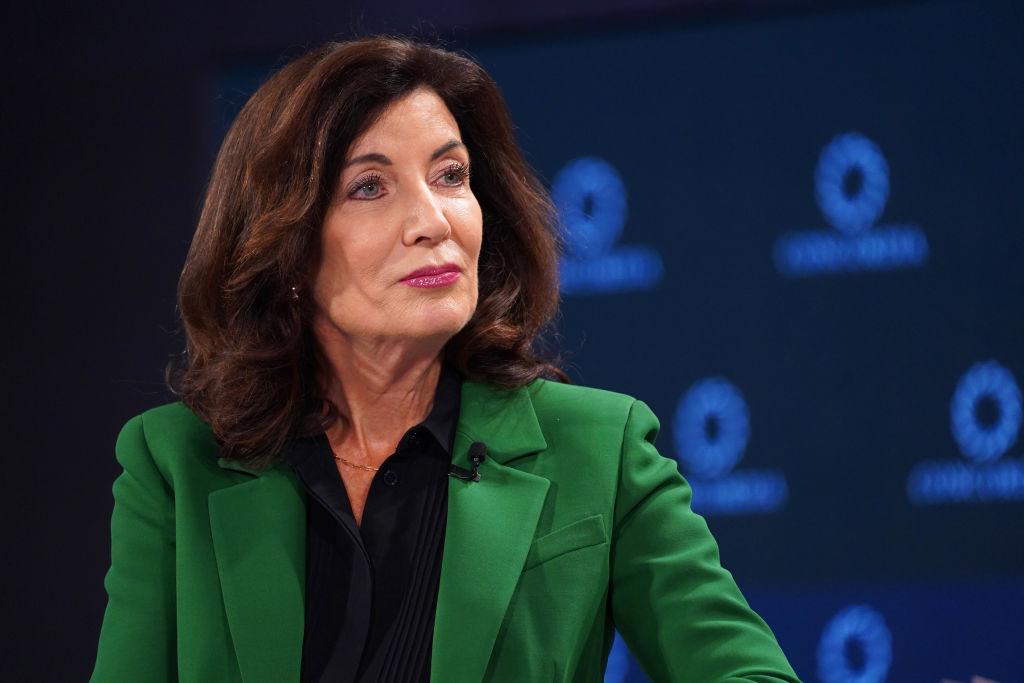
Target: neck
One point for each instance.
(381, 389)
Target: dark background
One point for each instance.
(714, 114)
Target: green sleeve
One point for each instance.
(137, 641)
(679, 611)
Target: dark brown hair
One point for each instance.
(252, 366)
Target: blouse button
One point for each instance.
(390, 478)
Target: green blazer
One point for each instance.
(578, 526)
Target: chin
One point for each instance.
(442, 324)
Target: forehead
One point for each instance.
(419, 118)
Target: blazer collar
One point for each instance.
(504, 419)
(491, 524)
(259, 532)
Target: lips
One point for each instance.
(433, 277)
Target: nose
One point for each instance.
(426, 221)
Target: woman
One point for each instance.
(372, 266)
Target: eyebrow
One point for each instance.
(383, 160)
(446, 147)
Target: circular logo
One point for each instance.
(591, 201)
(711, 427)
(985, 385)
(856, 647)
(851, 182)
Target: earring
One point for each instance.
(295, 294)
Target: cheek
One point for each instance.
(473, 231)
(350, 263)
(331, 275)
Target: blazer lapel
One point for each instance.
(491, 524)
(259, 535)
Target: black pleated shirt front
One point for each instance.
(371, 591)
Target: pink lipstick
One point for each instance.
(433, 277)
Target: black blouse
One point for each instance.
(371, 591)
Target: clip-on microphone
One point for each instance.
(477, 453)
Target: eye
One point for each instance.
(366, 187)
(455, 175)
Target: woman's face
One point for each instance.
(401, 238)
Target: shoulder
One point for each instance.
(553, 405)
(170, 425)
(556, 406)
(588, 406)
(168, 437)
(555, 395)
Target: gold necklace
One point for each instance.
(365, 468)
